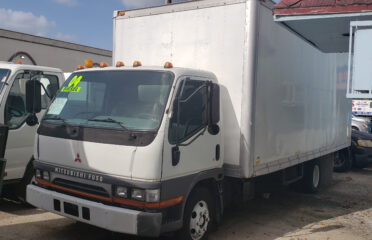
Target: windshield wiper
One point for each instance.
(58, 119)
(108, 120)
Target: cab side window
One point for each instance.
(189, 111)
(50, 83)
(15, 107)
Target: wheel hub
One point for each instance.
(199, 220)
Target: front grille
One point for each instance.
(85, 188)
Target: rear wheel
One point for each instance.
(343, 161)
(311, 180)
(198, 216)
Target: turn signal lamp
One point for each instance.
(120, 64)
(137, 64)
(79, 67)
(19, 62)
(168, 65)
(88, 63)
(103, 64)
(121, 13)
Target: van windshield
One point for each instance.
(4, 73)
(130, 100)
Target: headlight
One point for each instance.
(138, 194)
(46, 176)
(153, 195)
(364, 125)
(365, 143)
(121, 192)
(38, 173)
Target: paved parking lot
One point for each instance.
(342, 211)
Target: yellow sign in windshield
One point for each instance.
(73, 85)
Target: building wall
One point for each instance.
(48, 52)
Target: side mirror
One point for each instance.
(215, 104)
(214, 109)
(33, 96)
(175, 156)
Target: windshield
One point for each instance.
(4, 73)
(129, 100)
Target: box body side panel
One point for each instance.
(301, 107)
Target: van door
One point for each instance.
(21, 137)
(188, 135)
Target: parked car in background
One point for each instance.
(361, 148)
(359, 155)
(362, 107)
(361, 123)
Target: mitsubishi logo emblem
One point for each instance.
(77, 159)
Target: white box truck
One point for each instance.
(22, 125)
(149, 149)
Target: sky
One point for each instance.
(86, 22)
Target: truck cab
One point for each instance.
(133, 142)
(13, 114)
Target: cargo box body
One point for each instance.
(283, 101)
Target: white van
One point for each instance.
(13, 113)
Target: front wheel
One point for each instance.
(198, 216)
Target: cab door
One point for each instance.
(189, 147)
(20, 144)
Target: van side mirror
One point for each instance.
(33, 96)
(214, 108)
(215, 104)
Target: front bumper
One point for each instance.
(111, 218)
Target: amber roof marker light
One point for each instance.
(137, 64)
(79, 67)
(88, 63)
(120, 64)
(168, 65)
(103, 64)
(121, 13)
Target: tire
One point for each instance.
(311, 180)
(343, 160)
(354, 128)
(198, 216)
